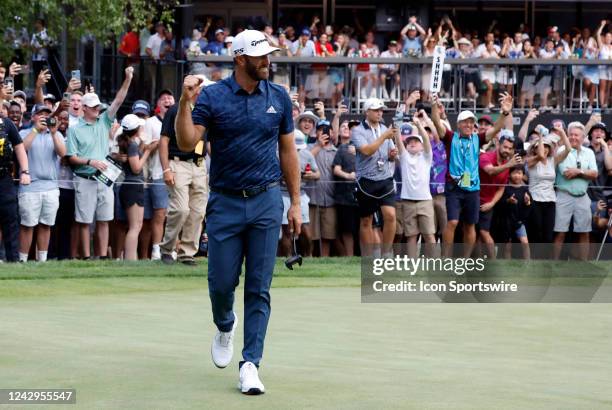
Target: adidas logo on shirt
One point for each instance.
(271, 110)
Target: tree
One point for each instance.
(97, 18)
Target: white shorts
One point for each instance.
(605, 73)
(92, 199)
(304, 201)
(568, 206)
(38, 207)
(504, 77)
(488, 74)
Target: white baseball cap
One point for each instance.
(373, 104)
(91, 100)
(300, 139)
(251, 43)
(131, 122)
(464, 115)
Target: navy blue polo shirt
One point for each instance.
(243, 130)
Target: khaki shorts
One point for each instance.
(418, 217)
(439, 202)
(399, 219)
(92, 199)
(323, 223)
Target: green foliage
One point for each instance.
(97, 18)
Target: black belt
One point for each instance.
(244, 193)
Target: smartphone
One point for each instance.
(8, 81)
(44, 67)
(66, 96)
(76, 74)
(345, 101)
(24, 69)
(293, 90)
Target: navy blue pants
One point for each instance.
(243, 229)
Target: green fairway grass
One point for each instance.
(137, 335)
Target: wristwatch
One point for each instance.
(25, 171)
(506, 113)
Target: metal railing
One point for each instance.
(333, 79)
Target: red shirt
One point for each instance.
(319, 52)
(130, 46)
(487, 192)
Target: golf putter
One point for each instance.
(294, 258)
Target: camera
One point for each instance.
(51, 122)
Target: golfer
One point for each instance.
(248, 119)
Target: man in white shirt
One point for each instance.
(416, 202)
(156, 194)
(390, 71)
(153, 50)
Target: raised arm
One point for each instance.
(522, 134)
(506, 109)
(600, 43)
(188, 134)
(559, 157)
(41, 80)
(435, 116)
(426, 143)
(122, 93)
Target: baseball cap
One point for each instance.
(405, 130)
(165, 91)
(600, 126)
(38, 108)
(306, 32)
(251, 43)
(323, 123)
(141, 107)
(229, 39)
(392, 43)
(21, 94)
(13, 102)
(131, 122)
(300, 139)
(506, 135)
(464, 40)
(486, 118)
(90, 100)
(307, 114)
(411, 27)
(464, 115)
(219, 30)
(49, 96)
(373, 104)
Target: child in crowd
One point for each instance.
(515, 204)
(416, 201)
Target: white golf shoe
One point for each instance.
(222, 348)
(249, 380)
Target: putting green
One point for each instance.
(143, 342)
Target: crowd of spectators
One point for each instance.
(538, 85)
(363, 182)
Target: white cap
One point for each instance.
(251, 43)
(131, 122)
(91, 100)
(229, 39)
(300, 139)
(373, 104)
(306, 114)
(464, 115)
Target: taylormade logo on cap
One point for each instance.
(251, 43)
